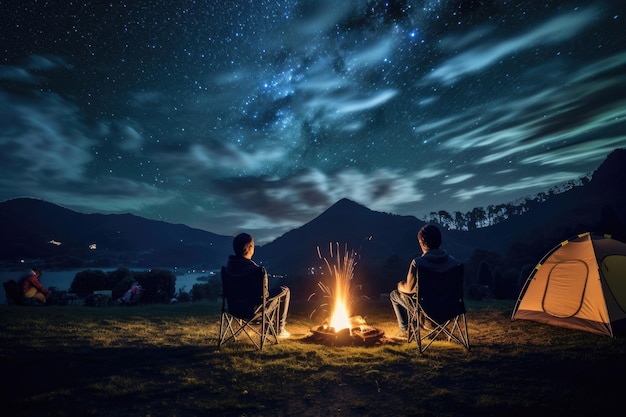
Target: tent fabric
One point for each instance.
(580, 284)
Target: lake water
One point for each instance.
(62, 280)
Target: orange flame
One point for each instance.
(340, 318)
(342, 272)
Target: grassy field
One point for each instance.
(162, 360)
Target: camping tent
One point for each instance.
(580, 284)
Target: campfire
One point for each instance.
(342, 328)
(358, 332)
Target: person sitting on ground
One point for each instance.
(33, 290)
(241, 262)
(433, 258)
(132, 296)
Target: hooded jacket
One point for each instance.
(31, 280)
(434, 259)
(240, 268)
(238, 265)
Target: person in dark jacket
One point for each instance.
(241, 262)
(33, 290)
(433, 258)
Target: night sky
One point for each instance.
(258, 115)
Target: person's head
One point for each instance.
(243, 245)
(429, 237)
(36, 271)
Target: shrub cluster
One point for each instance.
(158, 284)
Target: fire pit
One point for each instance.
(359, 334)
(341, 328)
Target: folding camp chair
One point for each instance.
(13, 292)
(437, 308)
(247, 309)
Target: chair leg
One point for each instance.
(271, 322)
(455, 330)
(256, 333)
(263, 325)
(227, 332)
(221, 335)
(460, 332)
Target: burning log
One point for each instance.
(358, 334)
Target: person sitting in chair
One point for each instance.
(241, 262)
(433, 258)
(33, 290)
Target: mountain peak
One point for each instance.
(346, 205)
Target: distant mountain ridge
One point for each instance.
(30, 224)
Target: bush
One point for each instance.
(88, 281)
(158, 284)
(209, 291)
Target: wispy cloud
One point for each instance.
(478, 58)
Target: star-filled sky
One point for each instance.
(258, 115)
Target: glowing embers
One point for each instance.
(358, 333)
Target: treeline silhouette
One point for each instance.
(495, 213)
(158, 286)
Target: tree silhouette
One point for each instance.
(88, 281)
